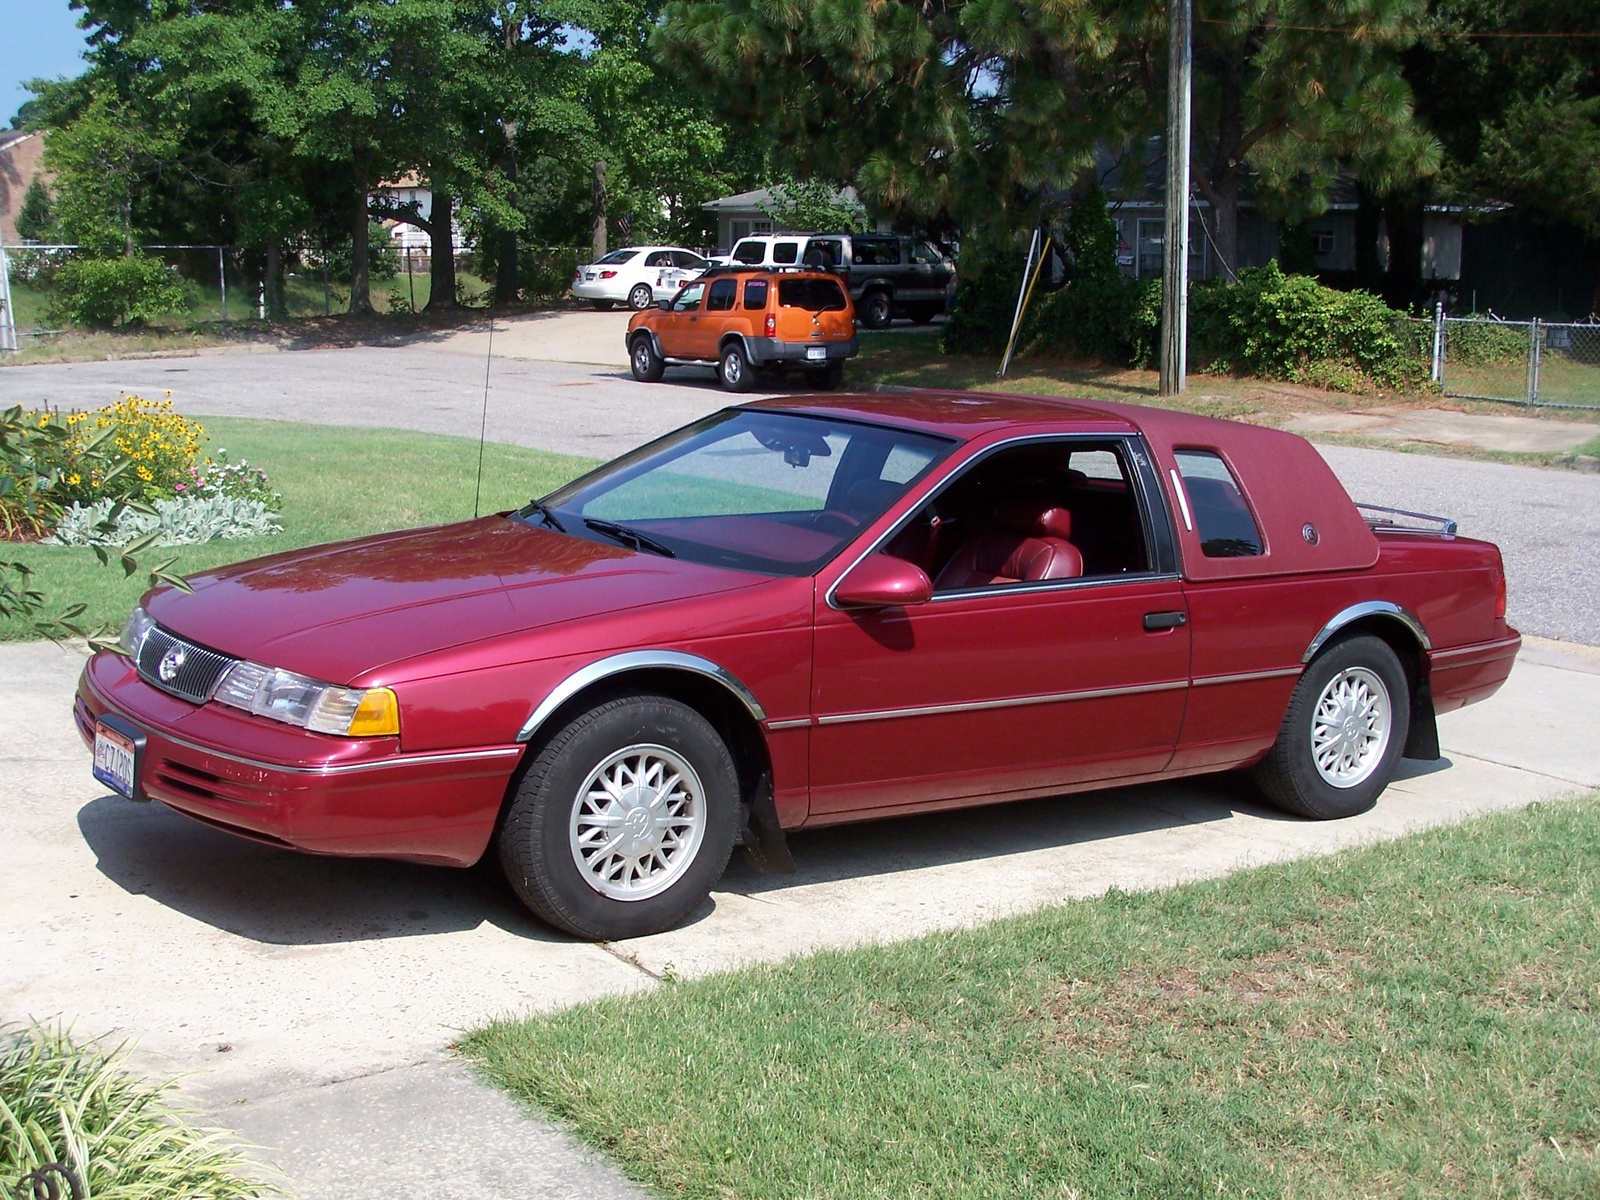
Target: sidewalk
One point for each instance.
(310, 1000)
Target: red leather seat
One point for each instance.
(1027, 543)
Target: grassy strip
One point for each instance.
(74, 1106)
(1416, 1018)
(336, 482)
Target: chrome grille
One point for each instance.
(194, 671)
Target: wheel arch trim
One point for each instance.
(1357, 612)
(637, 660)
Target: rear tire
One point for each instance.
(641, 297)
(1343, 734)
(876, 309)
(735, 370)
(645, 362)
(624, 821)
(923, 314)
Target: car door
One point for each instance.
(1014, 689)
(707, 326)
(677, 328)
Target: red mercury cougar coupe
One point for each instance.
(801, 612)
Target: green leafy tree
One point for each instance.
(816, 207)
(36, 219)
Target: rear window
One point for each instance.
(755, 293)
(815, 295)
(1226, 528)
(615, 257)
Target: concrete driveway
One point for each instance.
(310, 999)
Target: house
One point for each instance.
(407, 190)
(744, 214)
(20, 155)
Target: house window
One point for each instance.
(743, 227)
(1321, 242)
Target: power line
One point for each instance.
(1361, 29)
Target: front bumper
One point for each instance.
(765, 350)
(289, 787)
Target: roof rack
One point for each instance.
(1385, 517)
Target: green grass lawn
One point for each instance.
(1417, 1018)
(336, 483)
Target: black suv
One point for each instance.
(888, 274)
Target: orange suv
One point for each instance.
(744, 321)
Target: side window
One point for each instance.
(658, 258)
(924, 254)
(748, 251)
(722, 295)
(877, 252)
(1038, 513)
(1221, 515)
(689, 299)
(785, 253)
(828, 251)
(755, 293)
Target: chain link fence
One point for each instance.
(1534, 363)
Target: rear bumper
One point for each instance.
(1466, 674)
(765, 350)
(286, 787)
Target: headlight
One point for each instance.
(140, 623)
(300, 700)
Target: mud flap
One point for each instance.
(765, 847)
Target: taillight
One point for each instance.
(608, 274)
(1500, 597)
(771, 327)
(577, 274)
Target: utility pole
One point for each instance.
(1175, 256)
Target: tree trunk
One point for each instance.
(505, 275)
(442, 269)
(1402, 215)
(274, 280)
(599, 239)
(1369, 270)
(360, 284)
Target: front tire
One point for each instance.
(603, 305)
(1343, 734)
(624, 821)
(641, 297)
(734, 369)
(645, 362)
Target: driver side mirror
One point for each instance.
(883, 581)
(664, 305)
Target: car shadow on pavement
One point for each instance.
(993, 831)
(286, 898)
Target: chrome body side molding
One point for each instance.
(637, 660)
(1367, 608)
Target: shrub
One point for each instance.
(122, 1139)
(1277, 326)
(1486, 344)
(186, 521)
(32, 451)
(986, 301)
(103, 293)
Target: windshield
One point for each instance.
(772, 492)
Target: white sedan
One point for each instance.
(637, 276)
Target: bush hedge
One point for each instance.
(103, 293)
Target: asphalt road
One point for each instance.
(1547, 523)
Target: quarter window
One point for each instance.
(755, 293)
(785, 252)
(1221, 514)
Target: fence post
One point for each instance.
(1533, 362)
(8, 320)
(1438, 343)
(222, 281)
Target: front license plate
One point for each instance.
(116, 759)
(816, 353)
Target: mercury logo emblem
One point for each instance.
(171, 663)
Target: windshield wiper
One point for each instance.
(628, 537)
(544, 513)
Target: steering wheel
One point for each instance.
(835, 520)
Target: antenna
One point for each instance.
(483, 424)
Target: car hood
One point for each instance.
(342, 611)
